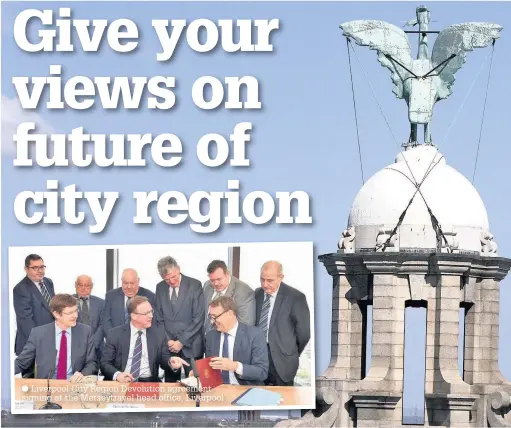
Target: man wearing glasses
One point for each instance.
(31, 298)
(222, 283)
(134, 351)
(63, 349)
(238, 350)
(90, 308)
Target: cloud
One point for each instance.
(12, 116)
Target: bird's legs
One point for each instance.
(412, 141)
(427, 135)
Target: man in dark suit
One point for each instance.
(239, 350)
(31, 298)
(90, 308)
(115, 312)
(283, 315)
(63, 349)
(222, 283)
(180, 311)
(135, 351)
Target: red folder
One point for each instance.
(209, 378)
(136, 390)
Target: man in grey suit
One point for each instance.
(90, 308)
(180, 311)
(239, 350)
(115, 312)
(222, 283)
(135, 351)
(63, 349)
(283, 315)
(31, 298)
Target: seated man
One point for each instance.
(133, 351)
(63, 349)
(239, 350)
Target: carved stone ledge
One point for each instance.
(375, 400)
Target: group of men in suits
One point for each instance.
(256, 337)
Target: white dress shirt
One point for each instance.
(230, 345)
(145, 370)
(217, 294)
(177, 288)
(273, 296)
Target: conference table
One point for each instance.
(31, 394)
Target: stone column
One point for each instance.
(347, 340)
(481, 365)
(448, 398)
(380, 392)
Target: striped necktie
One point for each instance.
(44, 292)
(263, 320)
(137, 357)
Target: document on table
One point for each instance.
(258, 397)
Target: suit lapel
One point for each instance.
(74, 346)
(276, 307)
(151, 347)
(238, 342)
(125, 345)
(51, 348)
(231, 289)
(49, 287)
(120, 308)
(259, 304)
(183, 291)
(208, 293)
(215, 348)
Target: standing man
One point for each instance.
(222, 283)
(31, 298)
(90, 308)
(283, 315)
(135, 351)
(63, 349)
(180, 311)
(115, 312)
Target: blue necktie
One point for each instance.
(225, 354)
(137, 357)
(126, 315)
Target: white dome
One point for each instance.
(452, 199)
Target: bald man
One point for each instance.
(283, 315)
(89, 310)
(115, 312)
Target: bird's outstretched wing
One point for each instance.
(457, 40)
(388, 40)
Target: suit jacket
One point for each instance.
(41, 348)
(241, 293)
(117, 346)
(96, 306)
(31, 309)
(249, 349)
(113, 312)
(185, 321)
(289, 329)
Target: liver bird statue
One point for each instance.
(425, 80)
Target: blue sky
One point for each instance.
(303, 138)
